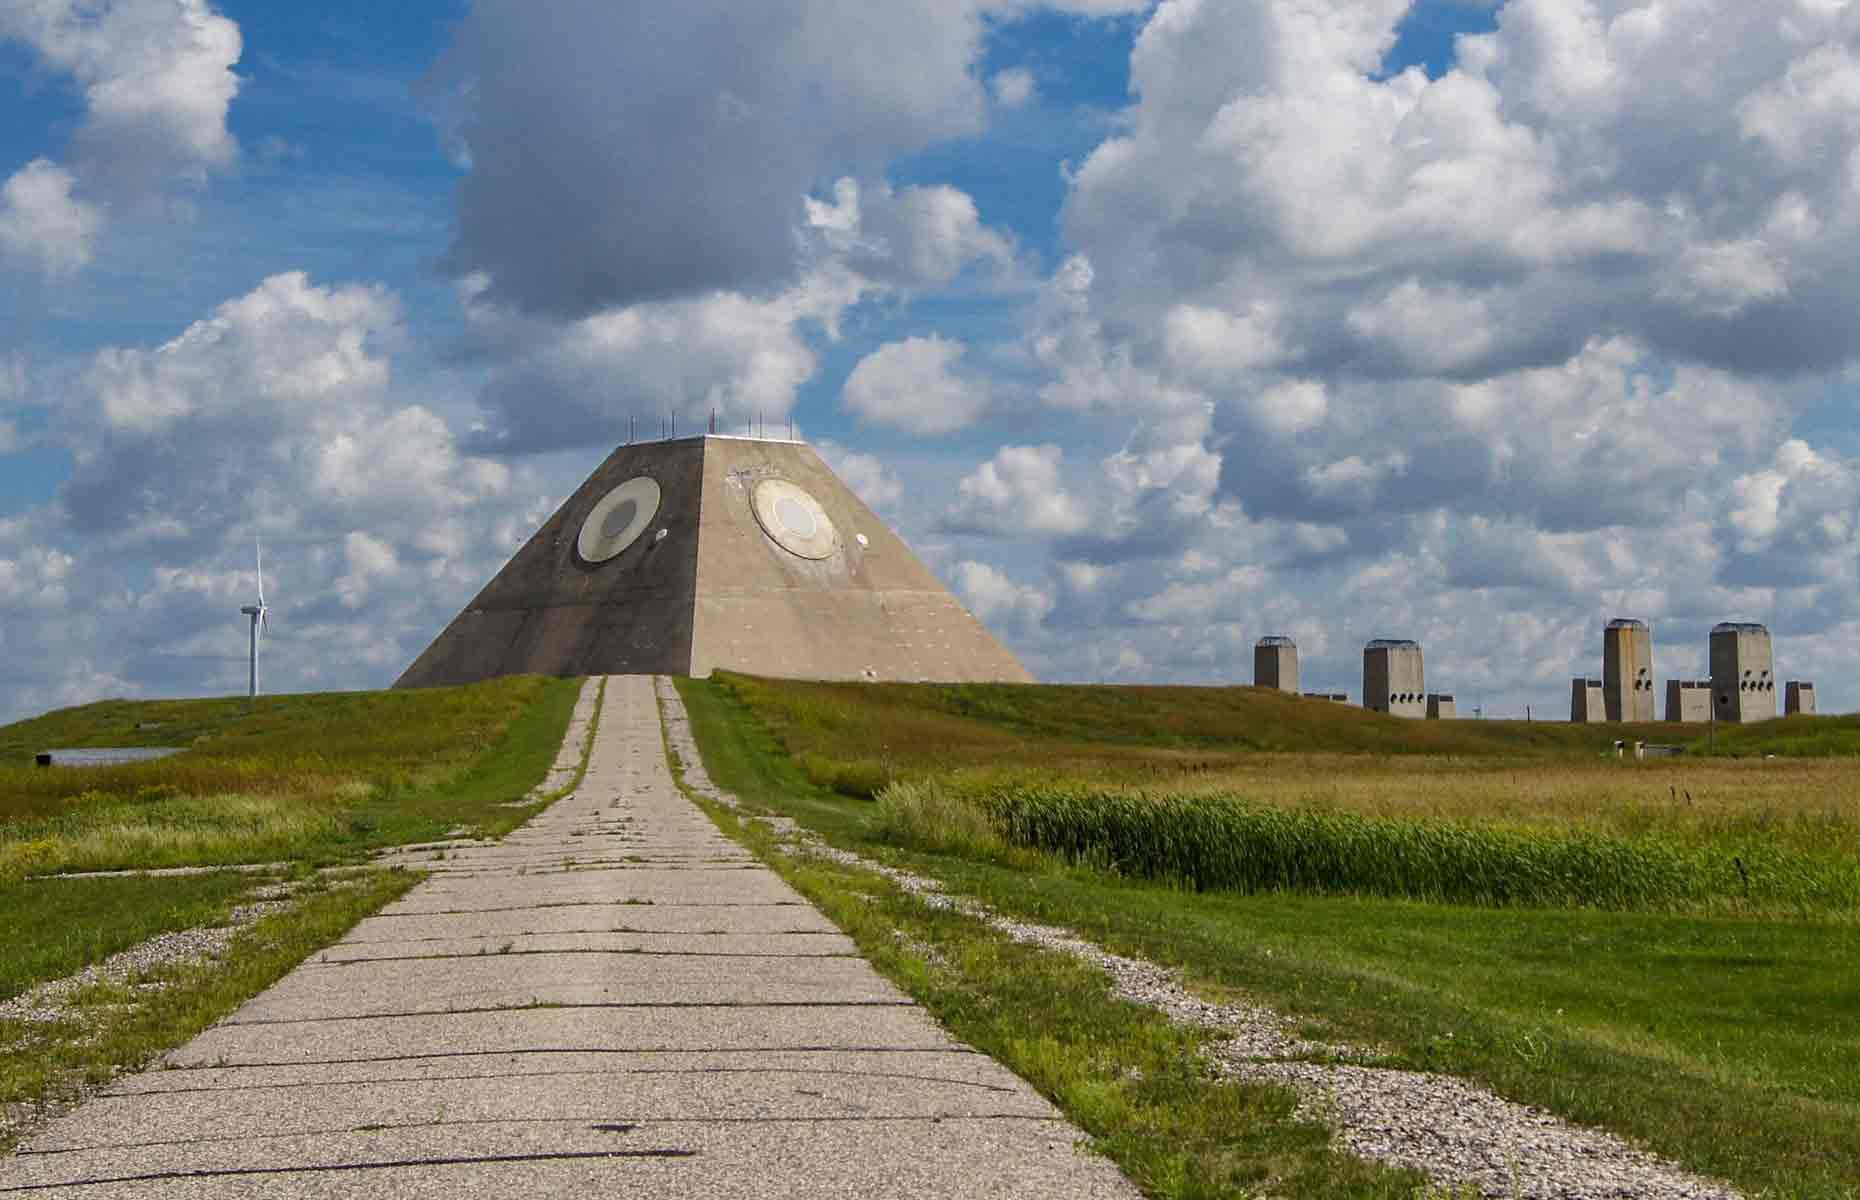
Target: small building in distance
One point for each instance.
(1688, 701)
(1586, 706)
(1799, 698)
(1394, 678)
(1627, 670)
(1333, 697)
(1441, 707)
(1743, 680)
(1275, 664)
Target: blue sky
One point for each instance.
(1156, 328)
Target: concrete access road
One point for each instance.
(616, 1000)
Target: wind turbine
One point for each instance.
(261, 615)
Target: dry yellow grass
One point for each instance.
(1817, 800)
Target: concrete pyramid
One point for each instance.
(679, 557)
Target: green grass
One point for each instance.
(1730, 1043)
(1789, 737)
(486, 795)
(81, 921)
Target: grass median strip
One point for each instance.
(81, 921)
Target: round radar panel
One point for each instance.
(794, 520)
(618, 520)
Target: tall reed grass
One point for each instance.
(1227, 843)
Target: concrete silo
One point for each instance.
(1743, 672)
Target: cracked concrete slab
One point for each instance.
(734, 1095)
(515, 981)
(526, 1030)
(630, 918)
(992, 1156)
(901, 1065)
(755, 945)
(614, 999)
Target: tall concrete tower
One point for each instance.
(1275, 664)
(1627, 670)
(1394, 679)
(1743, 672)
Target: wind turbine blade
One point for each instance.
(260, 546)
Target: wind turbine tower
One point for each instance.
(261, 616)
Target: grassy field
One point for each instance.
(1721, 1030)
(299, 778)
(860, 736)
(1469, 811)
(331, 742)
(297, 782)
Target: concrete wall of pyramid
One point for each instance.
(680, 557)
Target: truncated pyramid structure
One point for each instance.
(679, 557)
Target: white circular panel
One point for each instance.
(618, 520)
(794, 520)
(795, 517)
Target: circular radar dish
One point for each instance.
(618, 520)
(794, 519)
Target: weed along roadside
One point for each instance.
(144, 902)
(1714, 1026)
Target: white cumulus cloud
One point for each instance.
(1019, 491)
(916, 385)
(42, 224)
(998, 600)
(157, 81)
(1013, 87)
